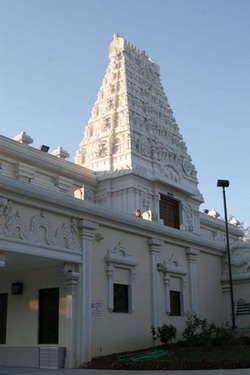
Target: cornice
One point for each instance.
(51, 163)
(214, 223)
(35, 196)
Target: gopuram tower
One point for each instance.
(133, 143)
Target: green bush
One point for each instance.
(165, 333)
(201, 332)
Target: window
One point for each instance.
(175, 303)
(169, 211)
(121, 273)
(174, 279)
(3, 317)
(48, 316)
(121, 298)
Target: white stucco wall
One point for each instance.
(209, 268)
(121, 331)
(22, 321)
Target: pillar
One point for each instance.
(84, 322)
(154, 250)
(70, 281)
(192, 277)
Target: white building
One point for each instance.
(82, 276)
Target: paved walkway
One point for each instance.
(30, 371)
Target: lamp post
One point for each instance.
(224, 184)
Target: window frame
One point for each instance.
(115, 259)
(165, 202)
(173, 269)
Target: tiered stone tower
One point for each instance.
(132, 139)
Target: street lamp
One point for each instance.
(224, 184)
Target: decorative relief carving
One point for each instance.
(144, 146)
(5, 207)
(171, 173)
(101, 149)
(64, 236)
(188, 218)
(242, 261)
(187, 166)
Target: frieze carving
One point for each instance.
(65, 236)
(5, 207)
(241, 261)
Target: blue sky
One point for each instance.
(54, 54)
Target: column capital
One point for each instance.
(87, 228)
(70, 278)
(88, 225)
(155, 242)
(192, 253)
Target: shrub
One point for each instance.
(165, 333)
(201, 332)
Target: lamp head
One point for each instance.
(223, 183)
(44, 148)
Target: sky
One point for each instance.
(53, 57)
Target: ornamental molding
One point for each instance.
(64, 236)
(119, 256)
(172, 266)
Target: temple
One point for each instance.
(94, 253)
(133, 142)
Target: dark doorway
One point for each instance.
(48, 316)
(3, 317)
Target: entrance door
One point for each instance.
(48, 316)
(3, 317)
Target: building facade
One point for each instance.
(81, 274)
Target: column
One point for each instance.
(183, 293)
(192, 277)
(132, 276)
(166, 281)
(226, 297)
(70, 281)
(84, 322)
(154, 250)
(110, 275)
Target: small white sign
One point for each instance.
(96, 308)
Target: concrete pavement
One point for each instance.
(36, 371)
